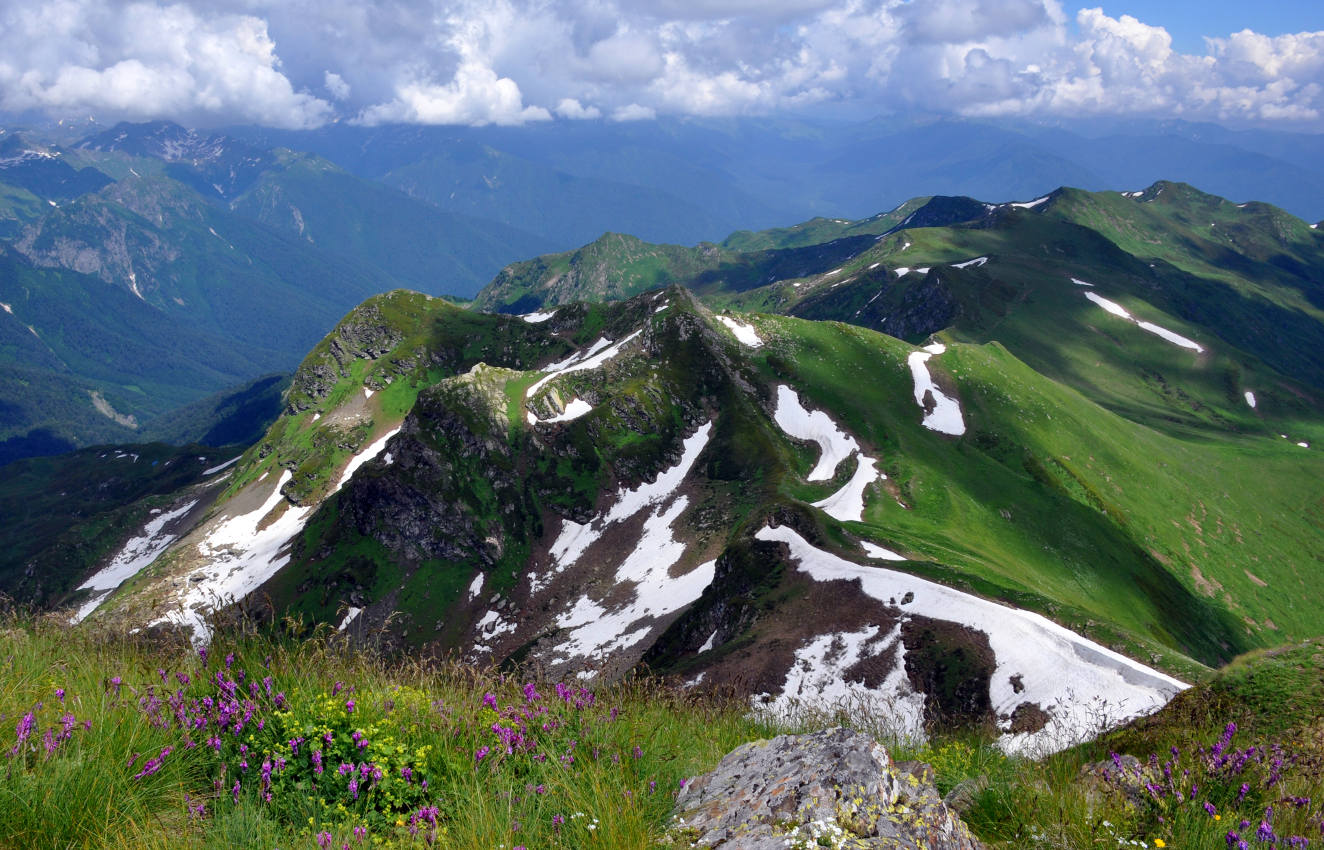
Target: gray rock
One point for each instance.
(834, 788)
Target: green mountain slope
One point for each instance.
(616, 483)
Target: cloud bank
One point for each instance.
(302, 63)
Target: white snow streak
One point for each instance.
(219, 467)
(369, 452)
(575, 409)
(1250, 399)
(744, 333)
(6, 308)
(847, 504)
(902, 271)
(873, 550)
(137, 553)
(976, 262)
(1121, 312)
(1078, 282)
(575, 537)
(1028, 205)
(535, 318)
(476, 586)
(598, 353)
(1083, 685)
(945, 417)
(350, 615)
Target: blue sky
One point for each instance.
(304, 63)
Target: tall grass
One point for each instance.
(266, 742)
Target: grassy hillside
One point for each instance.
(129, 743)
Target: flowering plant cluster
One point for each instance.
(1247, 796)
(345, 766)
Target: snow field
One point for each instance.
(873, 550)
(795, 420)
(1082, 684)
(240, 557)
(535, 318)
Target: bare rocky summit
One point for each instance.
(836, 788)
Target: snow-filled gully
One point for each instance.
(1082, 685)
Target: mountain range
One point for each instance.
(1027, 466)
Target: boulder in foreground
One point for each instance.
(834, 788)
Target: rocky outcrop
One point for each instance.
(835, 788)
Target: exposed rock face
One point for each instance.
(834, 788)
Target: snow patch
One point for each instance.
(6, 308)
(369, 452)
(1029, 205)
(215, 469)
(476, 586)
(1083, 685)
(575, 537)
(1078, 282)
(744, 333)
(902, 271)
(1159, 331)
(816, 426)
(710, 642)
(874, 266)
(596, 355)
(1250, 399)
(945, 417)
(535, 318)
(596, 633)
(873, 550)
(976, 262)
(575, 409)
(817, 678)
(1111, 306)
(847, 504)
(138, 552)
(350, 615)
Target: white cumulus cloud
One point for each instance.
(145, 60)
(515, 61)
